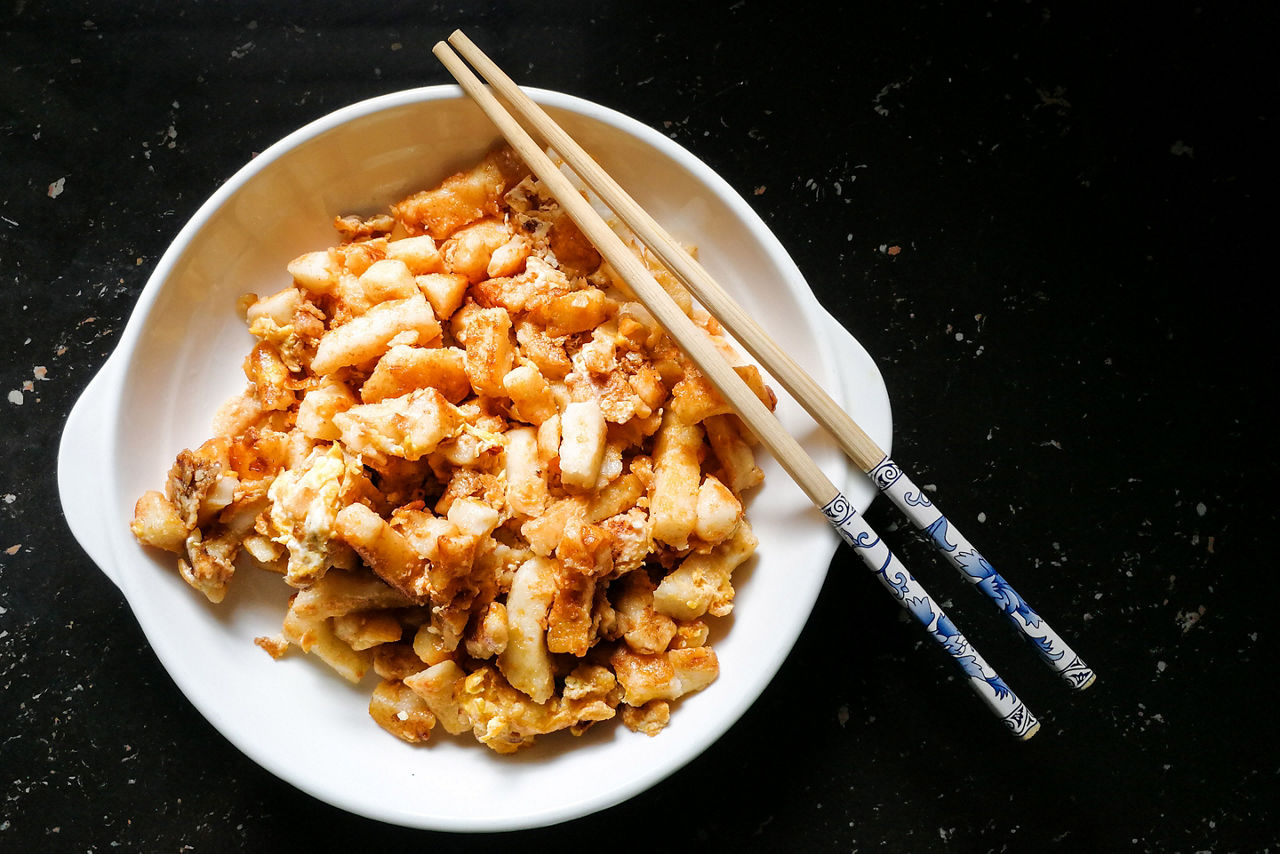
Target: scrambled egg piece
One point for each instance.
(304, 506)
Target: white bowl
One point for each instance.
(180, 355)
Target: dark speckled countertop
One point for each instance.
(1074, 328)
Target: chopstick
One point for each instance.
(889, 478)
(890, 571)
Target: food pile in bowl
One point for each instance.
(487, 473)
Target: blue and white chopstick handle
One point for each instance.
(899, 582)
(911, 500)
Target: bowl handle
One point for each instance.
(849, 356)
(82, 467)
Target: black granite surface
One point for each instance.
(1075, 331)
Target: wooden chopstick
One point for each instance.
(887, 475)
(892, 574)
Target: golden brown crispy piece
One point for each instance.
(316, 635)
(385, 550)
(649, 719)
(489, 348)
(365, 338)
(665, 675)
(157, 522)
(673, 502)
(408, 427)
(526, 661)
(702, 583)
(643, 628)
(694, 399)
(401, 712)
(403, 369)
(361, 228)
(505, 719)
(463, 197)
(193, 477)
(339, 593)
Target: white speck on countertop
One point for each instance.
(15, 397)
(55, 189)
(1188, 619)
(880, 108)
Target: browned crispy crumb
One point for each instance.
(274, 645)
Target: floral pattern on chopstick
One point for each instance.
(897, 579)
(890, 479)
